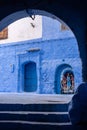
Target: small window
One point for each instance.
(64, 27)
(4, 34)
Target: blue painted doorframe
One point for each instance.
(30, 77)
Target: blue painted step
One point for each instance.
(36, 117)
(10, 117)
(34, 107)
(19, 126)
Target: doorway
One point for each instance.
(30, 77)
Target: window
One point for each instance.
(4, 34)
(64, 27)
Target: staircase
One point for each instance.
(41, 116)
(34, 116)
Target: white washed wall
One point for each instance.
(22, 30)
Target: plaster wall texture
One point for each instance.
(47, 55)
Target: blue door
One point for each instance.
(30, 77)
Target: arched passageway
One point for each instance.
(70, 12)
(54, 46)
(73, 14)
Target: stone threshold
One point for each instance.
(27, 98)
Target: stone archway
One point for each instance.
(70, 12)
(27, 13)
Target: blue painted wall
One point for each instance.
(49, 52)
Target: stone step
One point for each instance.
(19, 125)
(35, 107)
(36, 117)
